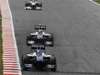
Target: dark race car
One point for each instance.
(33, 5)
(40, 36)
(39, 60)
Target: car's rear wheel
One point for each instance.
(53, 62)
(53, 69)
(26, 61)
(22, 64)
(23, 68)
(52, 44)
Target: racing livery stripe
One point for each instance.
(11, 65)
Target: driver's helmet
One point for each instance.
(40, 32)
(39, 52)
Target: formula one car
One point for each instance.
(33, 5)
(40, 36)
(39, 60)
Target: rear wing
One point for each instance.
(40, 27)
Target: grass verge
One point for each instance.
(98, 1)
(1, 62)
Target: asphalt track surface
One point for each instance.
(76, 28)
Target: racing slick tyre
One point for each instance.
(52, 41)
(25, 60)
(53, 69)
(52, 44)
(22, 64)
(27, 40)
(23, 67)
(53, 62)
(39, 4)
(28, 6)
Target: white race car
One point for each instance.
(33, 5)
(40, 36)
(39, 59)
